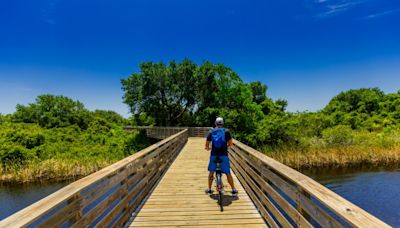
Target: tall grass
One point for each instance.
(341, 148)
(338, 157)
(51, 169)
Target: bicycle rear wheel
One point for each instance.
(220, 200)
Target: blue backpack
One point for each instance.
(218, 137)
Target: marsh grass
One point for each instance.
(358, 148)
(51, 169)
(338, 157)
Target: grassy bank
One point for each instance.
(338, 157)
(341, 147)
(50, 170)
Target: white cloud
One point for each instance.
(372, 16)
(328, 8)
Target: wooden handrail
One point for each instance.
(164, 132)
(289, 198)
(112, 193)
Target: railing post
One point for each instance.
(78, 213)
(300, 209)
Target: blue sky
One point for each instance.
(306, 51)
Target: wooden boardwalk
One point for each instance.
(179, 198)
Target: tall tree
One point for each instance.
(165, 92)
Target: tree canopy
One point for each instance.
(185, 93)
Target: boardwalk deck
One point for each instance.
(179, 198)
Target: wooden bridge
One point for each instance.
(163, 186)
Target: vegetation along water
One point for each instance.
(57, 138)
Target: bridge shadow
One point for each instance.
(226, 200)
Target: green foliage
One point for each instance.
(259, 91)
(110, 116)
(365, 108)
(340, 135)
(56, 127)
(51, 111)
(163, 91)
(135, 142)
(14, 154)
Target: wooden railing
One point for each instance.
(105, 198)
(199, 131)
(164, 132)
(287, 198)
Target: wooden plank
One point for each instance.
(196, 217)
(220, 226)
(62, 215)
(209, 208)
(199, 222)
(101, 189)
(196, 213)
(99, 208)
(124, 202)
(154, 176)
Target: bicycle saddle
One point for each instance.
(217, 160)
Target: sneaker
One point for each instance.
(209, 191)
(234, 192)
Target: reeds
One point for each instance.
(51, 169)
(338, 157)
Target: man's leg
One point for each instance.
(210, 179)
(230, 180)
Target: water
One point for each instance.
(18, 196)
(375, 190)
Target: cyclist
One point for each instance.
(221, 138)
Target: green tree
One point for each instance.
(164, 92)
(53, 111)
(110, 116)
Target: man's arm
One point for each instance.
(230, 142)
(208, 140)
(207, 145)
(228, 138)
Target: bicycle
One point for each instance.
(218, 182)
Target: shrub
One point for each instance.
(340, 135)
(15, 154)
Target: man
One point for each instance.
(221, 139)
